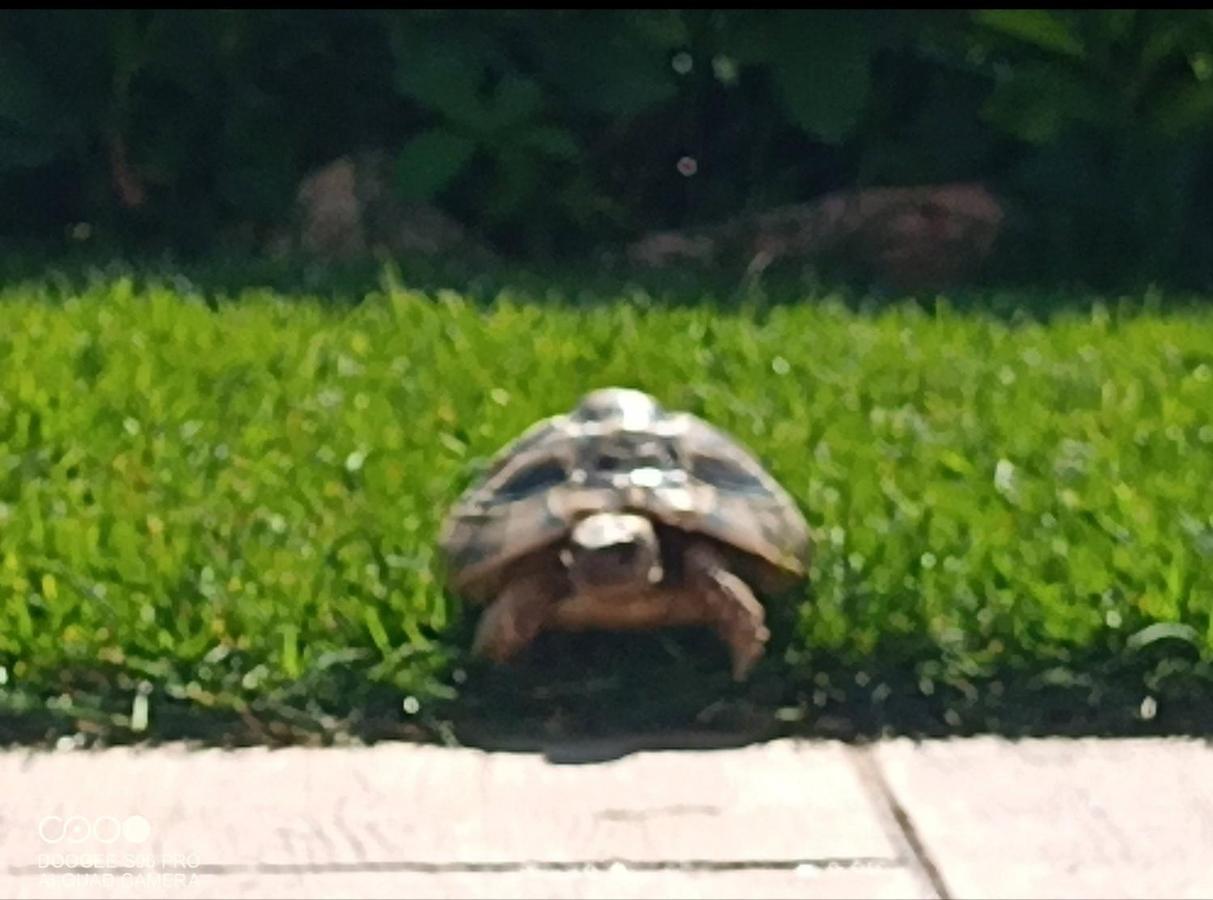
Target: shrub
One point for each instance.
(552, 131)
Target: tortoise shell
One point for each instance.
(619, 450)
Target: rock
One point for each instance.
(347, 210)
(911, 237)
(661, 248)
(331, 212)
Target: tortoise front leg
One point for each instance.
(518, 614)
(733, 610)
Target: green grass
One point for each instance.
(218, 516)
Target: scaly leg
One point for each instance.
(518, 614)
(733, 609)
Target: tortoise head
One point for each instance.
(612, 551)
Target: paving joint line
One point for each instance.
(872, 775)
(437, 868)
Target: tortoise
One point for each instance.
(621, 514)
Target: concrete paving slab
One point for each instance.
(1059, 818)
(231, 814)
(878, 883)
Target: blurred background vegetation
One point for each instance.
(550, 134)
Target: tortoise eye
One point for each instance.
(609, 462)
(725, 474)
(533, 479)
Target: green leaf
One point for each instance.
(1159, 631)
(605, 68)
(1038, 102)
(1039, 27)
(516, 100)
(374, 627)
(1162, 44)
(551, 141)
(441, 79)
(430, 161)
(1108, 28)
(1184, 111)
(821, 65)
(518, 183)
(664, 28)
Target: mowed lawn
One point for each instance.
(231, 508)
